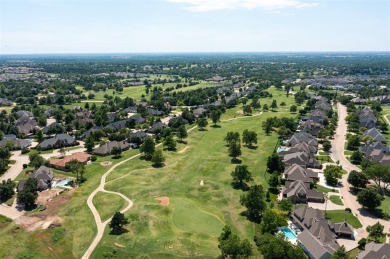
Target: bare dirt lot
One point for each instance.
(164, 200)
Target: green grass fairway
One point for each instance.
(337, 216)
(336, 200)
(107, 204)
(191, 224)
(189, 218)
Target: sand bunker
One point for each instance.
(183, 150)
(164, 200)
(106, 163)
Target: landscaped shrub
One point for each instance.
(93, 158)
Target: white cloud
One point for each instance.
(213, 5)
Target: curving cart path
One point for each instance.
(99, 224)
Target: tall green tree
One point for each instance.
(215, 116)
(182, 132)
(249, 137)
(276, 247)
(89, 143)
(369, 198)
(272, 220)
(375, 231)
(275, 163)
(274, 105)
(170, 143)
(158, 158)
(357, 179)
(234, 150)
(231, 245)
(241, 175)
(380, 175)
(29, 194)
(340, 253)
(232, 137)
(202, 123)
(118, 222)
(254, 202)
(148, 147)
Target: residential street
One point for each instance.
(337, 154)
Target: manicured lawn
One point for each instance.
(348, 152)
(179, 229)
(321, 188)
(353, 253)
(107, 204)
(336, 200)
(385, 206)
(337, 216)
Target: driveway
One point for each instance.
(337, 154)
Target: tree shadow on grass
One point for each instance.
(250, 217)
(243, 187)
(216, 126)
(252, 147)
(118, 232)
(236, 161)
(202, 129)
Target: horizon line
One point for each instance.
(200, 52)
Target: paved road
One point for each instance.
(102, 225)
(337, 154)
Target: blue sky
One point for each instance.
(108, 26)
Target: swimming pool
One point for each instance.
(288, 233)
(63, 182)
(280, 149)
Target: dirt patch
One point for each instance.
(46, 196)
(31, 223)
(106, 163)
(164, 200)
(119, 245)
(183, 150)
(240, 112)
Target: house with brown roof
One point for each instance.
(62, 162)
(298, 173)
(375, 251)
(106, 148)
(300, 192)
(319, 235)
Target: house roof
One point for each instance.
(314, 246)
(300, 189)
(64, 138)
(296, 172)
(374, 134)
(79, 156)
(107, 147)
(375, 251)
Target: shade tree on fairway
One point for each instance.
(274, 105)
(231, 137)
(249, 137)
(118, 222)
(182, 133)
(170, 143)
(234, 150)
(202, 123)
(254, 202)
(231, 245)
(148, 147)
(369, 198)
(275, 163)
(247, 110)
(293, 109)
(158, 158)
(241, 176)
(215, 116)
